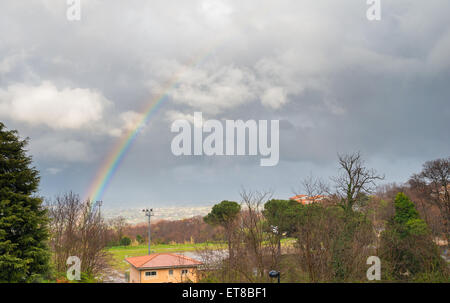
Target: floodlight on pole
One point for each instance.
(99, 205)
(149, 213)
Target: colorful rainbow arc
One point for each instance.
(117, 154)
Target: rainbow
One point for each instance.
(117, 154)
(115, 157)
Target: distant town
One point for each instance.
(135, 215)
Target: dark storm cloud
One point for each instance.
(336, 82)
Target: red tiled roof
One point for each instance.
(297, 196)
(304, 199)
(162, 260)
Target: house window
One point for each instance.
(170, 272)
(184, 272)
(150, 273)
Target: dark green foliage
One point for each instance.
(404, 209)
(283, 214)
(407, 220)
(125, 241)
(24, 255)
(223, 213)
(351, 246)
(333, 243)
(407, 249)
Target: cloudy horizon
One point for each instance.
(337, 82)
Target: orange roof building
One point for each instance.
(305, 200)
(163, 268)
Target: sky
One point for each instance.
(337, 82)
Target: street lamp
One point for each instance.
(149, 214)
(275, 274)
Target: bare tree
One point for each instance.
(329, 247)
(252, 232)
(254, 248)
(118, 224)
(192, 230)
(315, 188)
(77, 230)
(436, 175)
(63, 213)
(355, 179)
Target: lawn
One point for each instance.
(119, 253)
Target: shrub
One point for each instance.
(407, 249)
(125, 241)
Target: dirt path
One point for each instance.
(112, 275)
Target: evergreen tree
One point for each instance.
(282, 214)
(404, 209)
(24, 254)
(125, 241)
(224, 214)
(408, 248)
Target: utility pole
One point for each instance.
(149, 214)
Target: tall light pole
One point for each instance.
(149, 214)
(99, 205)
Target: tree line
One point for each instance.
(406, 226)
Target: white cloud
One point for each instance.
(173, 115)
(274, 97)
(216, 12)
(214, 89)
(45, 104)
(129, 120)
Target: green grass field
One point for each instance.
(119, 253)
